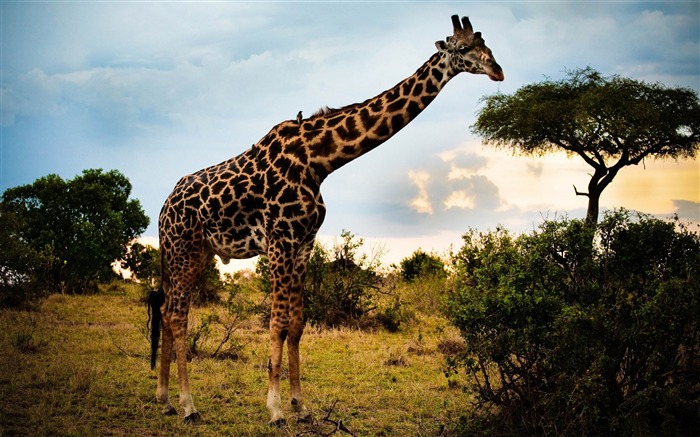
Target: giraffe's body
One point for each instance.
(267, 201)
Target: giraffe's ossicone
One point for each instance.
(267, 201)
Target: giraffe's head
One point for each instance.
(466, 51)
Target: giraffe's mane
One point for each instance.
(325, 110)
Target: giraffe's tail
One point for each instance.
(155, 301)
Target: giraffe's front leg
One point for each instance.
(295, 372)
(287, 272)
(280, 281)
(296, 329)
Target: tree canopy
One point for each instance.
(610, 122)
(80, 226)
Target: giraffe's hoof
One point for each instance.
(279, 423)
(305, 418)
(193, 418)
(169, 411)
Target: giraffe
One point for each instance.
(267, 201)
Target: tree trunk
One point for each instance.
(599, 180)
(593, 207)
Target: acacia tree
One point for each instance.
(80, 226)
(610, 122)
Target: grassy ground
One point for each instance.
(79, 366)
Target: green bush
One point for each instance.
(423, 282)
(210, 286)
(144, 263)
(212, 335)
(422, 265)
(340, 283)
(393, 314)
(568, 338)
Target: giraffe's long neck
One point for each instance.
(354, 130)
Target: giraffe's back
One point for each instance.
(237, 208)
(219, 209)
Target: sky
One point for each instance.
(158, 90)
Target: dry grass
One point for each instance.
(79, 366)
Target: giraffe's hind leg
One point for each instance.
(179, 324)
(164, 375)
(175, 336)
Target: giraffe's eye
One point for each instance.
(463, 50)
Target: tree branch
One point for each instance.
(579, 193)
(582, 153)
(338, 424)
(599, 157)
(124, 351)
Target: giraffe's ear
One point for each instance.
(441, 46)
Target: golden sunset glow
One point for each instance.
(652, 189)
(551, 186)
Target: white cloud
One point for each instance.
(421, 203)
(535, 168)
(455, 181)
(460, 199)
(687, 209)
